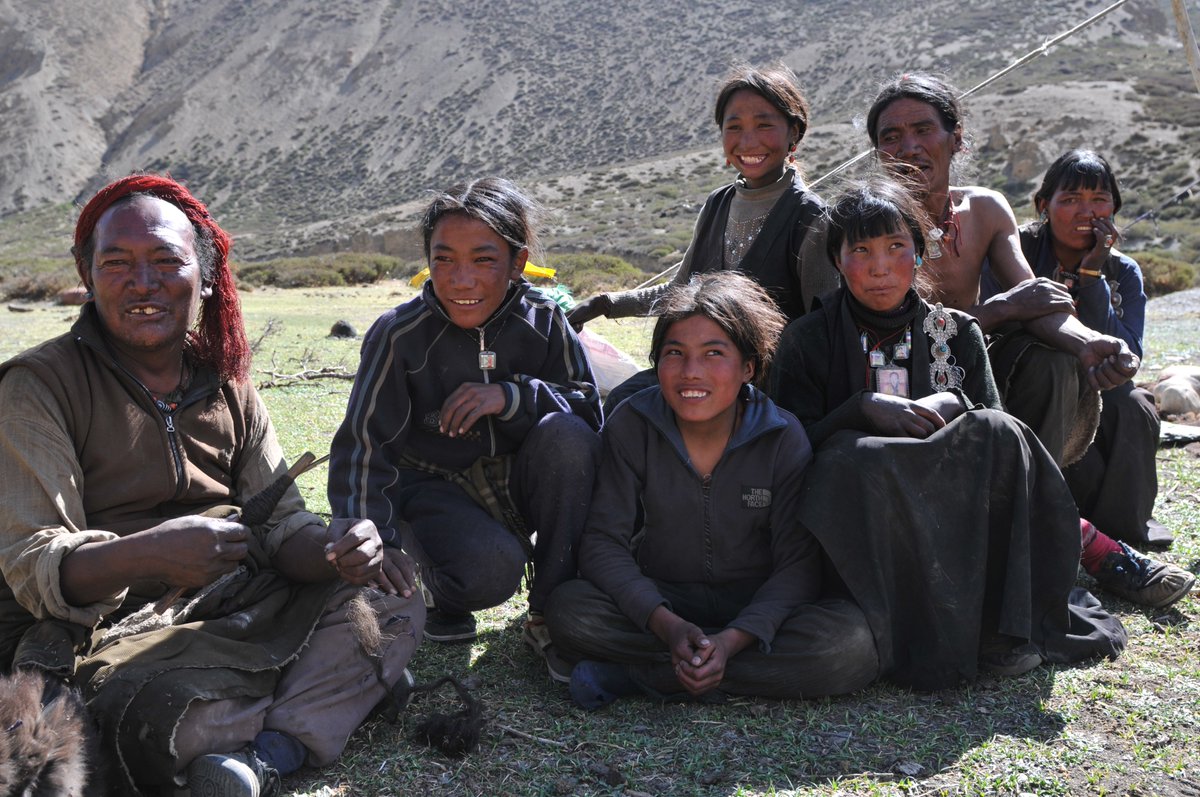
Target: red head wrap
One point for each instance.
(219, 340)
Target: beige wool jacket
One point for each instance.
(85, 455)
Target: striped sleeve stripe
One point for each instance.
(374, 374)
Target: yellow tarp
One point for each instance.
(531, 270)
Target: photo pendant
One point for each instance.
(892, 380)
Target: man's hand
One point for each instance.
(185, 552)
(467, 404)
(691, 650)
(1108, 362)
(193, 550)
(593, 307)
(1033, 299)
(354, 550)
(894, 416)
(398, 576)
(699, 659)
(686, 641)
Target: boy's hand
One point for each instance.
(708, 674)
(467, 404)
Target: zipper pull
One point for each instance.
(487, 359)
(170, 423)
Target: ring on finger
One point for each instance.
(1108, 241)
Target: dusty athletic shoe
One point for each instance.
(239, 774)
(443, 626)
(1010, 663)
(537, 636)
(1142, 580)
(596, 684)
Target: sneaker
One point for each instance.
(396, 700)
(1010, 663)
(444, 626)
(537, 636)
(1142, 580)
(280, 751)
(596, 684)
(239, 774)
(403, 689)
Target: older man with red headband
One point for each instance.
(125, 447)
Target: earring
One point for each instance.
(88, 295)
(918, 262)
(1043, 217)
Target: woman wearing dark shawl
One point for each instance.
(947, 520)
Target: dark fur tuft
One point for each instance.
(455, 734)
(47, 742)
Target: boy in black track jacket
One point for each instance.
(472, 422)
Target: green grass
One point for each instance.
(1129, 727)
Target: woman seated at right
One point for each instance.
(1116, 481)
(948, 521)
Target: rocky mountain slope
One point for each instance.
(310, 125)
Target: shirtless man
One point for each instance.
(1048, 365)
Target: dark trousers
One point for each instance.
(1040, 386)
(1115, 483)
(471, 561)
(823, 648)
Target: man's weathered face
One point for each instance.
(914, 141)
(145, 275)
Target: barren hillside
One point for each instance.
(308, 123)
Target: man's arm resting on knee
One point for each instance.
(1107, 360)
(1024, 297)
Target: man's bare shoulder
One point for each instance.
(984, 202)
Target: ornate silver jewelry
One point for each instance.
(943, 373)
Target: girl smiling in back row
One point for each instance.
(761, 223)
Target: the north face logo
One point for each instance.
(756, 497)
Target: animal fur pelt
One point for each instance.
(47, 742)
(454, 734)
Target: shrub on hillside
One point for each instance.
(36, 281)
(342, 268)
(587, 273)
(1163, 273)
